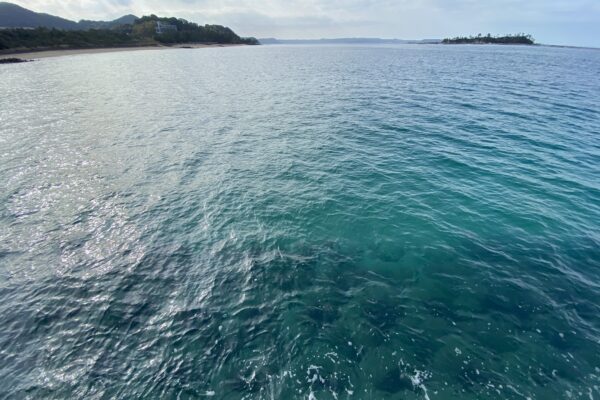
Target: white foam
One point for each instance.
(418, 380)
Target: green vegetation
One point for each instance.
(141, 33)
(520, 38)
(188, 32)
(44, 38)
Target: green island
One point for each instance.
(489, 39)
(146, 31)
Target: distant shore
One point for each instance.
(38, 54)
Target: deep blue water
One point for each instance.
(411, 222)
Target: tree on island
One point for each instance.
(190, 32)
(519, 38)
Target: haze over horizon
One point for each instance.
(561, 22)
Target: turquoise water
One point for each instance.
(411, 222)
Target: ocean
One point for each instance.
(301, 222)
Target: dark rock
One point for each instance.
(394, 382)
(13, 60)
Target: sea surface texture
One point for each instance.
(409, 222)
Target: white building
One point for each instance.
(161, 28)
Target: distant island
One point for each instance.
(479, 39)
(489, 39)
(23, 30)
(348, 41)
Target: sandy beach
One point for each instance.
(35, 55)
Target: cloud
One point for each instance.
(556, 21)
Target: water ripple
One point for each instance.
(302, 222)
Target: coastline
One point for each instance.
(39, 54)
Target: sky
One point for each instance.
(562, 22)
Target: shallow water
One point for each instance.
(408, 222)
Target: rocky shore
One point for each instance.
(13, 60)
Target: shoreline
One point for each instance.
(49, 53)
